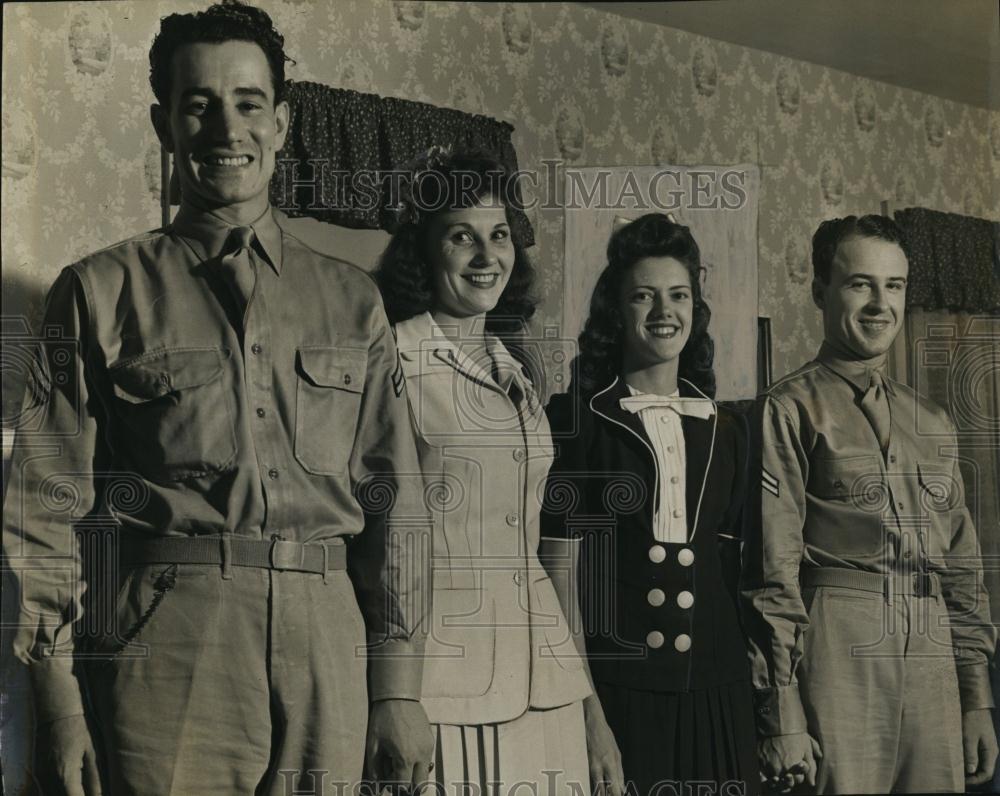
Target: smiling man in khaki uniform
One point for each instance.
(868, 619)
(233, 403)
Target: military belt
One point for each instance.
(277, 554)
(917, 584)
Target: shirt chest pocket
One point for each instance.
(847, 499)
(329, 389)
(176, 411)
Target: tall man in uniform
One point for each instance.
(234, 404)
(868, 619)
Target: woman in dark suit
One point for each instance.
(645, 498)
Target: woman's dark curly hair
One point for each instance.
(222, 22)
(442, 180)
(601, 356)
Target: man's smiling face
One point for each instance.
(865, 300)
(222, 127)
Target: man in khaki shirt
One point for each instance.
(226, 406)
(868, 619)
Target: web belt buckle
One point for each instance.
(287, 555)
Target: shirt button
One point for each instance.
(517, 578)
(272, 474)
(685, 557)
(664, 419)
(892, 458)
(518, 454)
(682, 643)
(347, 378)
(670, 448)
(900, 505)
(655, 639)
(685, 599)
(256, 348)
(512, 519)
(674, 479)
(260, 412)
(678, 513)
(656, 597)
(657, 554)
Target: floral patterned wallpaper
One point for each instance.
(81, 166)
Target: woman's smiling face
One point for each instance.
(656, 305)
(471, 256)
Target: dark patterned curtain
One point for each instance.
(954, 261)
(341, 143)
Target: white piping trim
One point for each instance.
(708, 464)
(652, 453)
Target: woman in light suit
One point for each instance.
(502, 682)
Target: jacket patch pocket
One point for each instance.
(547, 613)
(176, 412)
(460, 655)
(331, 382)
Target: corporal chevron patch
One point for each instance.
(769, 482)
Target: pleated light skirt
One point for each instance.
(541, 753)
(698, 736)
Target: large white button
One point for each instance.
(685, 599)
(512, 519)
(517, 578)
(685, 557)
(674, 479)
(678, 513)
(657, 553)
(670, 448)
(682, 643)
(656, 597)
(664, 419)
(518, 454)
(655, 639)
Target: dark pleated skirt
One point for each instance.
(699, 736)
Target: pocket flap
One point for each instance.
(326, 366)
(152, 376)
(938, 484)
(855, 475)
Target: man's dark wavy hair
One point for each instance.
(601, 356)
(442, 180)
(832, 232)
(222, 22)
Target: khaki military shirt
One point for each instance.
(829, 497)
(155, 402)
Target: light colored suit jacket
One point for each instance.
(498, 642)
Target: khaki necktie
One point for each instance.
(239, 267)
(876, 408)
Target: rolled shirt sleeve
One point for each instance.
(774, 615)
(973, 635)
(51, 487)
(389, 562)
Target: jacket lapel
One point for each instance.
(606, 404)
(699, 449)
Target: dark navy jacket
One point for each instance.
(602, 489)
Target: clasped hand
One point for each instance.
(786, 761)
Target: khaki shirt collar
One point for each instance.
(856, 372)
(207, 234)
